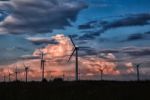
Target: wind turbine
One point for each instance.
(26, 72)
(76, 48)
(138, 71)
(16, 73)
(102, 71)
(42, 64)
(9, 75)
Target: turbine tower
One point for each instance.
(138, 71)
(9, 75)
(76, 48)
(101, 69)
(63, 75)
(42, 64)
(101, 72)
(16, 73)
(26, 72)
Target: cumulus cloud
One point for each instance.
(56, 61)
(89, 61)
(39, 16)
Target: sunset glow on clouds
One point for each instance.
(56, 62)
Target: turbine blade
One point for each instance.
(40, 50)
(72, 41)
(71, 54)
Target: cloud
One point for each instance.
(39, 16)
(85, 26)
(90, 61)
(62, 48)
(137, 51)
(103, 25)
(109, 51)
(57, 56)
(134, 20)
(29, 57)
(135, 37)
(42, 41)
(89, 35)
(138, 36)
(132, 51)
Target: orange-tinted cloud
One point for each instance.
(56, 62)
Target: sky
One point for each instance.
(114, 36)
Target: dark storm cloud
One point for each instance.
(39, 16)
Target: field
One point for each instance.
(82, 90)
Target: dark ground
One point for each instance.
(83, 90)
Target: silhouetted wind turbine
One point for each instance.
(9, 75)
(63, 75)
(138, 71)
(26, 72)
(76, 48)
(101, 72)
(42, 64)
(16, 73)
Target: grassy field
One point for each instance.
(82, 90)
